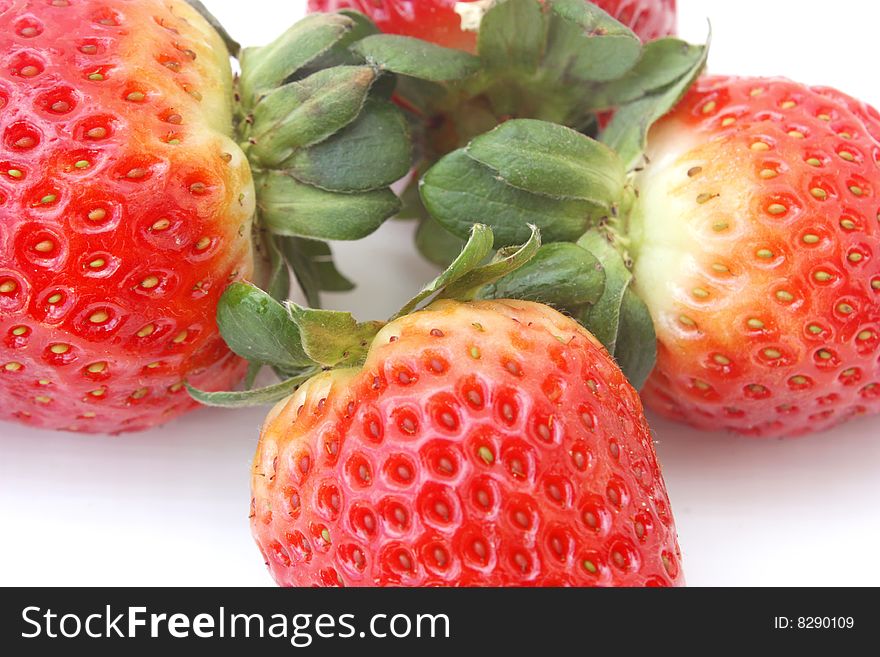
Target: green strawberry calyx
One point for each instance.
(562, 61)
(316, 118)
(298, 342)
(324, 140)
(576, 185)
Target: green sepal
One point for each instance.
(305, 112)
(278, 278)
(475, 251)
(549, 159)
(603, 318)
(415, 58)
(253, 397)
(259, 328)
(436, 243)
(561, 274)
(250, 376)
(562, 191)
(506, 261)
(512, 35)
(663, 63)
(313, 267)
(323, 137)
(268, 67)
(372, 152)
(333, 338)
(619, 319)
(627, 133)
(290, 207)
(340, 53)
(587, 44)
(299, 342)
(468, 276)
(636, 349)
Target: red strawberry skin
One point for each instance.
(756, 249)
(481, 444)
(124, 210)
(437, 20)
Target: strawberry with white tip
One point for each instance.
(756, 243)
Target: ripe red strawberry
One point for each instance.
(440, 21)
(478, 444)
(756, 246)
(125, 209)
(126, 204)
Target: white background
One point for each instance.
(169, 506)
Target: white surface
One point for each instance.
(169, 506)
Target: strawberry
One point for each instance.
(441, 21)
(756, 243)
(471, 443)
(126, 203)
(125, 207)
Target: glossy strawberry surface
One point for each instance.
(756, 247)
(125, 208)
(487, 443)
(440, 21)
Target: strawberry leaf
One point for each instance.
(512, 35)
(312, 264)
(415, 58)
(507, 260)
(254, 397)
(436, 243)
(561, 274)
(331, 337)
(268, 67)
(340, 53)
(290, 207)
(619, 319)
(279, 273)
(459, 190)
(549, 159)
(372, 152)
(259, 329)
(526, 171)
(306, 112)
(603, 318)
(473, 254)
(585, 43)
(663, 63)
(325, 148)
(636, 348)
(628, 131)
